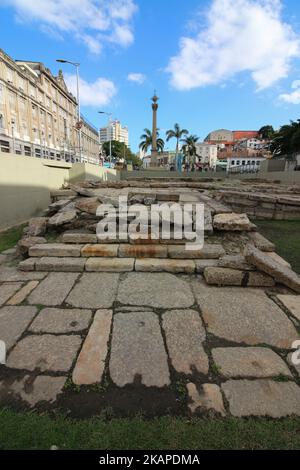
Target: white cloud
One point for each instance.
(137, 78)
(99, 93)
(294, 96)
(94, 22)
(238, 36)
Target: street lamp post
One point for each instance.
(76, 65)
(109, 130)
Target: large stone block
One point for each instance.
(78, 237)
(142, 251)
(13, 323)
(244, 316)
(261, 242)
(60, 264)
(112, 265)
(174, 266)
(137, 350)
(100, 250)
(61, 320)
(185, 334)
(209, 251)
(45, 353)
(249, 362)
(53, 290)
(94, 290)
(232, 222)
(292, 303)
(262, 398)
(278, 271)
(223, 276)
(55, 249)
(90, 364)
(8, 289)
(158, 290)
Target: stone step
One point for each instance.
(55, 249)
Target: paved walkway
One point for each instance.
(156, 342)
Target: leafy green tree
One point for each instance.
(119, 150)
(189, 147)
(146, 141)
(266, 132)
(287, 140)
(176, 133)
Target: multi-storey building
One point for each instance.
(38, 115)
(207, 155)
(114, 131)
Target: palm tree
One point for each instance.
(146, 141)
(189, 147)
(176, 133)
(286, 141)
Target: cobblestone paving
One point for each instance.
(197, 349)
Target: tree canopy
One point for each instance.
(146, 141)
(286, 141)
(120, 150)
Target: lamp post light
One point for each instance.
(76, 65)
(109, 130)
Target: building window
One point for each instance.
(253, 162)
(4, 146)
(27, 151)
(9, 75)
(257, 163)
(238, 162)
(243, 162)
(233, 162)
(1, 121)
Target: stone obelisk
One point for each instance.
(154, 130)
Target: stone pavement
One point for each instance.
(157, 342)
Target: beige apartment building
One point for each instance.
(38, 115)
(114, 131)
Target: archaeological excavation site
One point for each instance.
(144, 324)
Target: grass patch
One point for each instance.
(10, 237)
(31, 431)
(286, 236)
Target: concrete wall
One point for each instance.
(26, 182)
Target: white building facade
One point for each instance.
(207, 154)
(114, 131)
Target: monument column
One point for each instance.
(154, 131)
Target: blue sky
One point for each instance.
(214, 63)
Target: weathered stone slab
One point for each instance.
(55, 249)
(258, 279)
(58, 205)
(8, 289)
(100, 250)
(78, 237)
(33, 390)
(232, 222)
(13, 323)
(223, 276)
(174, 266)
(61, 320)
(37, 226)
(142, 251)
(201, 264)
(53, 290)
(160, 290)
(262, 398)
(210, 399)
(45, 353)
(244, 316)
(113, 265)
(279, 272)
(209, 251)
(60, 264)
(90, 364)
(292, 303)
(94, 290)
(261, 242)
(89, 205)
(27, 264)
(249, 362)
(12, 274)
(25, 243)
(138, 351)
(235, 262)
(62, 218)
(81, 191)
(20, 296)
(184, 336)
(278, 259)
